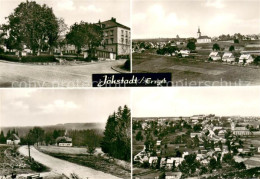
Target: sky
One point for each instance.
(37, 107)
(168, 18)
(174, 102)
(76, 10)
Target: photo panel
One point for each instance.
(209, 132)
(55, 133)
(200, 42)
(47, 43)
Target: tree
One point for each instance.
(32, 24)
(189, 165)
(212, 163)
(116, 141)
(2, 138)
(85, 35)
(196, 141)
(231, 48)
(216, 47)
(37, 135)
(92, 142)
(257, 60)
(162, 175)
(236, 41)
(139, 136)
(191, 45)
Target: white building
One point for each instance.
(64, 141)
(215, 56)
(228, 57)
(247, 58)
(13, 140)
(202, 39)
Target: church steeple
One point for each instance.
(198, 33)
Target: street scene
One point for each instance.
(221, 48)
(175, 144)
(67, 40)
(49, 142)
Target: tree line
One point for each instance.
(37, 27)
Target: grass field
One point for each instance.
(80, 156)
(192, 72)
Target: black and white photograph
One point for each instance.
(201, 42)
(197, 133)
(65, 133)
(47, 43)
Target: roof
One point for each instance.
(204, 37)
(227, 55)
(64, 139)
(245, 56)
(13, 137)
(214, 54)
(240, 129)
(112, 23)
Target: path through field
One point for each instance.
(63, 167)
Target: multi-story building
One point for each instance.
(116, 37)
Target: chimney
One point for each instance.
(113, 19)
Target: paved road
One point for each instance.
(27, 75)
(63, 167)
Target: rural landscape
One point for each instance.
(39, 49)
(72, 150)
(230, 56)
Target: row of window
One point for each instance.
(111, 40)
(111, 33)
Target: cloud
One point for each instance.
(91, 8)
(156, 19)
(58, 105)
(66, 5)
(214, 3)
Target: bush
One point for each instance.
(127, 64)
(210, 59)
(42, 58)
(10, 58)
(1, 50)
(257, 60)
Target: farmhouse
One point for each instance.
(247, 58)
(202, 39)
(64, 141)
(215, 56)
(228, 57)
(13, 140)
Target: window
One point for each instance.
(126, 33)
(126, 41)
(111, 32)
(122, 32)
(112, 40)
(122, 40)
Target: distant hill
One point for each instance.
(22, 131)
(158, 39)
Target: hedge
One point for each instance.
(43, 58)
(10, 58)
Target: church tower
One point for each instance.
(198, 33)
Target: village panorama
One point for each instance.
(202, 43)
(198, 146)
(45, 46)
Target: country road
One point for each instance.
(28, 75)
(59, 166)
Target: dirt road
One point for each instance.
(27, 75)
(63, 167)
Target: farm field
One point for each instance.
(191, 72)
